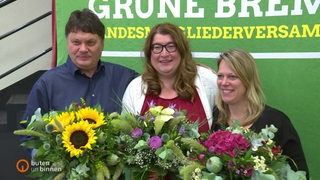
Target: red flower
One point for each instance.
(276, 151)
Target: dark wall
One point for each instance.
(21, 87)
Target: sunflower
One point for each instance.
(78, 137)
(93, 116)
(65, 119)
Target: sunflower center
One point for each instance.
(90, 121)
(79, 138)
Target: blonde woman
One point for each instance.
(241, 98)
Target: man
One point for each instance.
(83, 75)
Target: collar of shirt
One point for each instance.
(75, 70)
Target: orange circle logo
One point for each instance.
(22, 165)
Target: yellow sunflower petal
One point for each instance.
(93, 116)
(66, 118)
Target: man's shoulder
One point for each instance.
(55, 71)
(54, 75)
(120, 71)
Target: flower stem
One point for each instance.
(28, 133)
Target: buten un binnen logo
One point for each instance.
(22, 165)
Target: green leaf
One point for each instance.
(40, 154)
(141, 145)
(177, 151)
(166, 153)
(159, 122)
(187, 170)
(191, 131)
(122, 125)
(194, 144)
(174, 122)
(296, 175)
(25, 132)
(33, 144)
(210, 176)
(167, 111)
(261, 176)
(35, 173)
(82, 169)
(131, 119)
(155, 111)
(118, 171)
(37, 116)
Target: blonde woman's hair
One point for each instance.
(244, 66)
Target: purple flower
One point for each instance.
(238, 171)
(181, 129)
(136, 133)
(155, 142)
(151, 104)
(142, 118)
(172, 106)
(230, 164)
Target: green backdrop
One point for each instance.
(283, 36)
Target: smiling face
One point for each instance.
(165, 63)
(85, 50)
(231, 89)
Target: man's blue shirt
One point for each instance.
(57, 88)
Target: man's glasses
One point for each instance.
(158, 48)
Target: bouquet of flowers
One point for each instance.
(238, 153)
(78, 143)
(153, 142)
